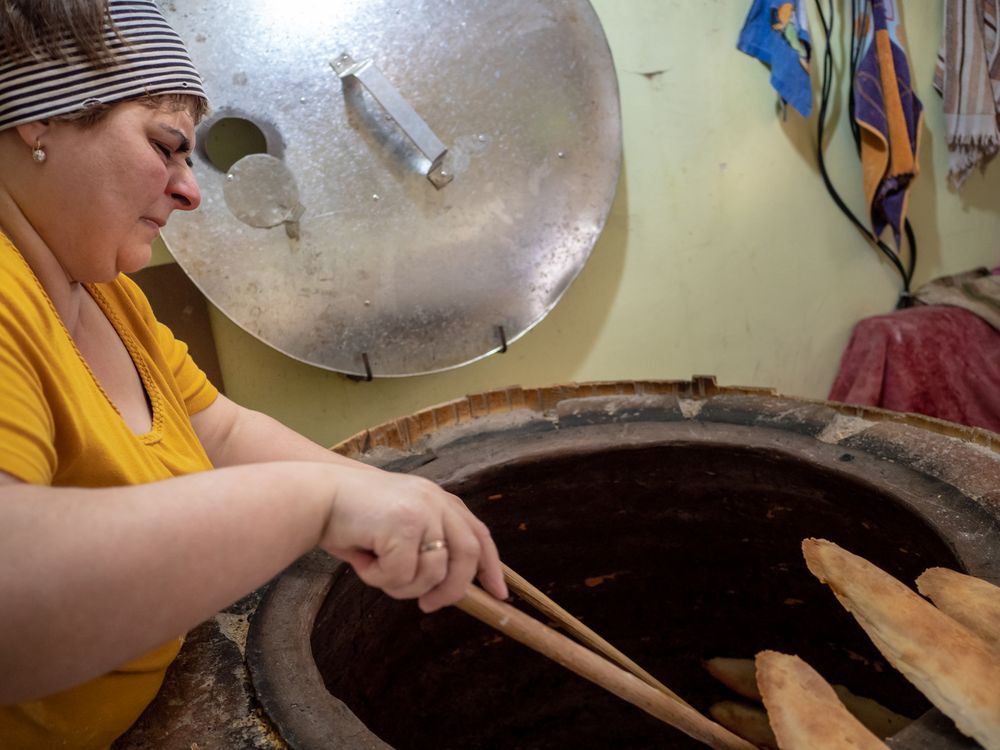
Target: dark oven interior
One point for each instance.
(674, 554)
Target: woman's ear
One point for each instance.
(32, 132)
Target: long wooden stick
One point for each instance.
(544, 604)
(594, 667)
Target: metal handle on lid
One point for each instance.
(399, 110)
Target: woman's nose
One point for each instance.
(184, 190)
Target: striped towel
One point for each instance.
(968, 79)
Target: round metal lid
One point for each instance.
(435, 176)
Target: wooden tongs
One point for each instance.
(628, 680)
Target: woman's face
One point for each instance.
(109, 188)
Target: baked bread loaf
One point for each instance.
(972, 601)
(746, 721)
(956, 669)
(881, 721)
(804, 712)
(740, 676)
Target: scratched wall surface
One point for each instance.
(723, 253)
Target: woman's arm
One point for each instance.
(90, 578)
(233, 435)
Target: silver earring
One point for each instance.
(38, 154)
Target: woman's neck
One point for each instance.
(66, 294)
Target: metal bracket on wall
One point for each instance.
(368, 376)
(503, 339)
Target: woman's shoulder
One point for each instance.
(23, 299)
(13, 267)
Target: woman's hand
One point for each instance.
(390, 528)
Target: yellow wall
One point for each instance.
(723, 253)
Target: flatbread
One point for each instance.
(804, 712)
(972, 601)
(882, 722)
(746, 721)
(740, 676)
(956, 669)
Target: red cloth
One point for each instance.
(936, 360)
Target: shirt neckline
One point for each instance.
(152, 393)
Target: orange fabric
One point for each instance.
(57, 427)
(878, 157)
(874, 161)
(895, 157)
(901, 159)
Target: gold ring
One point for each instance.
(433, 546)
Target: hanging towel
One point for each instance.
(968, 79)
(770, 33)
(889, 116)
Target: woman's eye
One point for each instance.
(163, 150)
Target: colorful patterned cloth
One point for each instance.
(889, 115)
(776, 32)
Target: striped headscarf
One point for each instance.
(150, 59)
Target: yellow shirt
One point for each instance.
(58, 427)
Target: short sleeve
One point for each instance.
(196, 390)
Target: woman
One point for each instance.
(135, 501)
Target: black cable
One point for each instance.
(906, 275)
(855, 62)
(912, 242)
